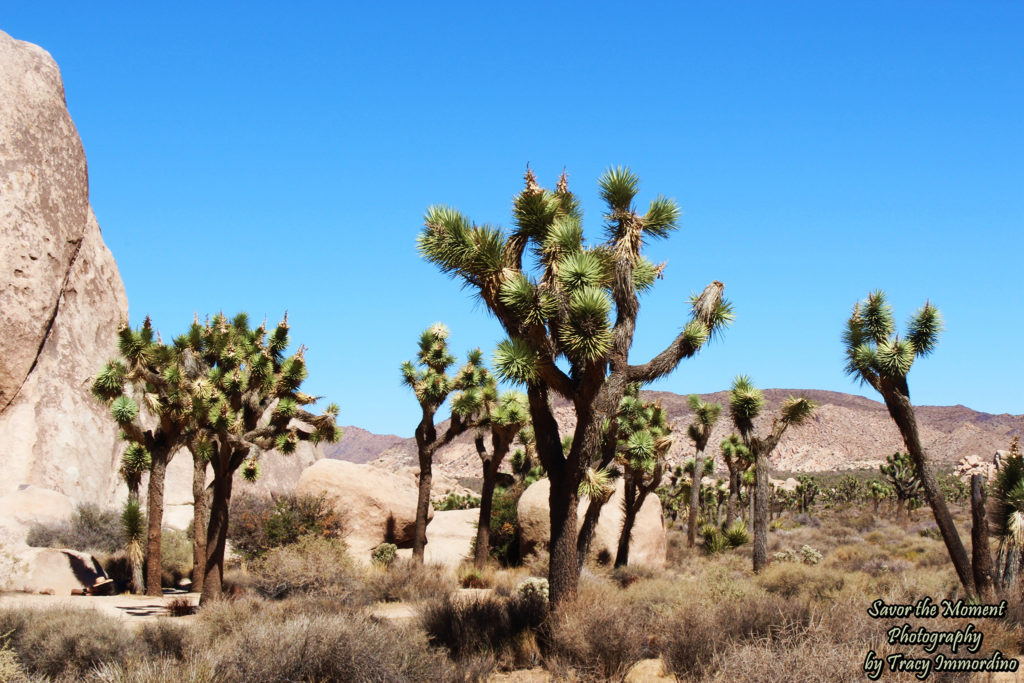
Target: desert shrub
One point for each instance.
(695, 637)
(533, 587)
(467, 625)
(312, 566)
(384, 554)
(164, 638)
(630, 574)
(864, 521)
(180, 607)
(804, 519)
(260, 523)
(474, 578)
(90, 528)
(67, 643)
(454, 501)
(10, 667)
(806, 555)
(790, 579)
(931, 531)
(175, 556)
(579, 634)
(504, 537)
(287, 645)
(408, 581)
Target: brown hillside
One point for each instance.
(847, 432)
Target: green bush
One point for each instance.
(90, 529)
(175, 556)
(504, 536)
(260, 523)
(453, 501)
(384, 554)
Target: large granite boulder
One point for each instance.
(377, 505)
(61, 296)
(647, 543)
(30, 505)
(53, 571)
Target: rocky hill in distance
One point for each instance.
(847, 432)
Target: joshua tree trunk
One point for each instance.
(217, 536)
(981, 556)
(155, 505)
(586, 533)
(751, 497)
(733, 502)
(200, 522)
(897, 400)
(422, 507)
(631, 506)
(691, 530)
(563, 575)
(760, 512)
(483, 527)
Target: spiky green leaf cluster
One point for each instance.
(643, 431)
(745, 400)
(873, 349)
(796, 410)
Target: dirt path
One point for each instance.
(132, 609)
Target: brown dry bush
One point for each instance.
(312, 566)
(406, 580)
(474, 625)
(790, 579)
(579, 635)
(277, 646)
(66, 643)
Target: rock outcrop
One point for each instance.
(377, 505)
(61, 296)
(647, 543)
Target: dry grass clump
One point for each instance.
(317, 646)
(488, 627)
(791, 580)
(408, 581)
(579, 635)
(65, 643)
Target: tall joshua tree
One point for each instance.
(878, 356)
(705, 416)
(737, 460)
(153, 371)
(561, 307)
(644, 437)
(505, 416)
(248, 400)
(745, 403)
(432, 386)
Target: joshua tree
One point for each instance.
(566, 312)
(1008, 516)
(644, 437)
(134, 462)
(156, 373)
(705, 416)
(737, 461)
(745, 404)
(876, 355)
(248, 399)
(506, 416)
(432, 385)
(202, 494)
(903, 479)
(879, 491)
(806, 491)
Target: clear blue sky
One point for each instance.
(255, 157)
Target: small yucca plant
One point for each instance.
(736, 534)
(134, 525)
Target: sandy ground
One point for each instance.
(132, 609)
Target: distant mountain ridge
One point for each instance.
(846, 432)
